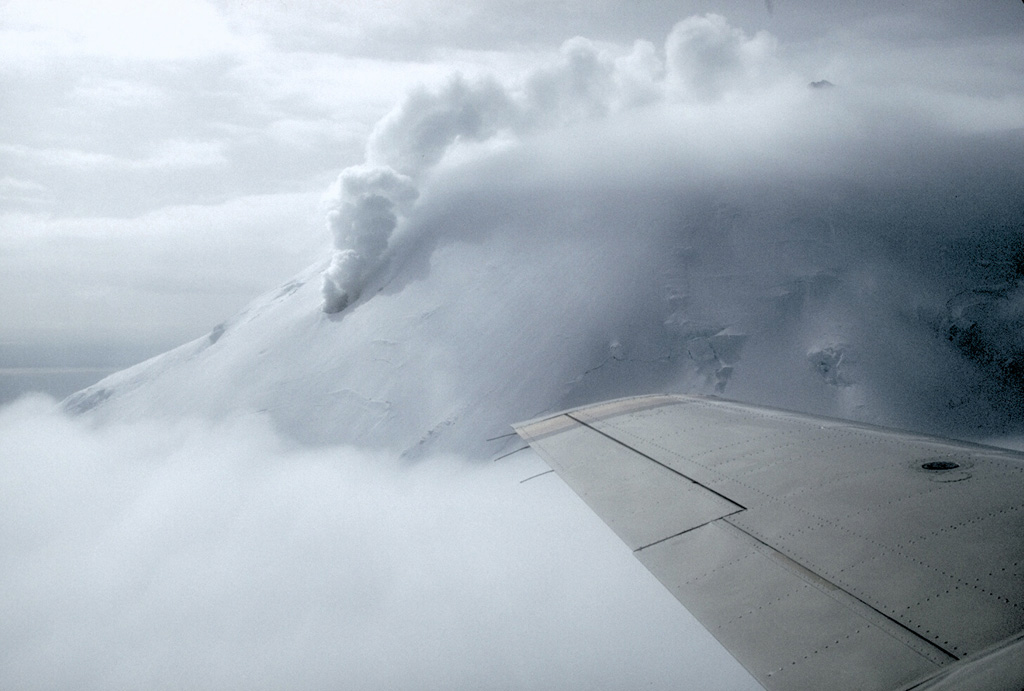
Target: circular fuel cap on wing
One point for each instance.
(940, 465)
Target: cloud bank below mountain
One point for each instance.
(190, 555)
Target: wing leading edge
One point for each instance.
(820, 553)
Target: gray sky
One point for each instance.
(161, 163)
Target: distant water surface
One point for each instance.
(54, 381)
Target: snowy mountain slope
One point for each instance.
(692, 219)
(510, 292)
(494, 331)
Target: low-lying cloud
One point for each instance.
(190, 555)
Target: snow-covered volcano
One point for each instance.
(861, 272)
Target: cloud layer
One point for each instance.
(186, 555)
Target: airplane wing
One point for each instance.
(822, 554)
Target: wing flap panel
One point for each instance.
(822, 554)
(855, 504)
(642, 501)
(790, 629)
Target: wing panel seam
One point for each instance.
(657, 462)
(684, 532)
(930, 651)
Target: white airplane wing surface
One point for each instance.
(822, 554)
